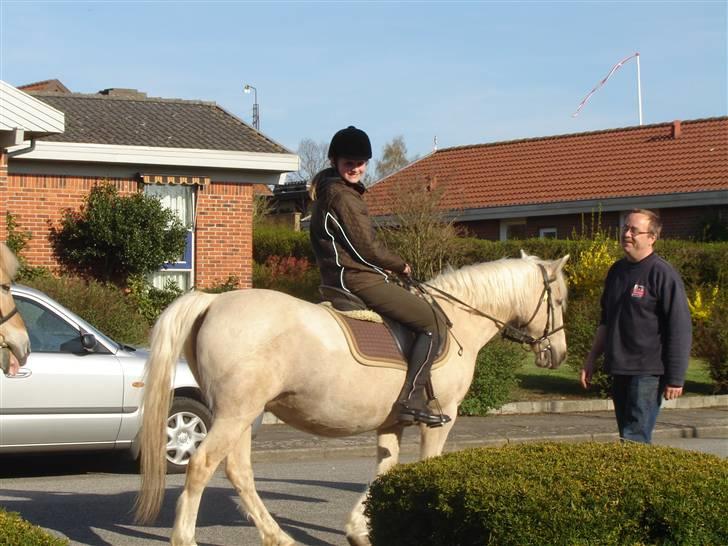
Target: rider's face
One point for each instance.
(351, 170)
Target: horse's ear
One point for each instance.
(562, 262)
(523, 254)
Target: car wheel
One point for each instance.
(187, 425)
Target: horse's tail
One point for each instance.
(169, 336)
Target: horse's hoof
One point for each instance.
(358, 540)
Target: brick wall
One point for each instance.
(224, 234)
(37, 203)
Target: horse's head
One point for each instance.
(544, 326)
(14, 342)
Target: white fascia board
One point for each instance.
(18, 110)
(147, 155)
(693, 199)
(665, 201)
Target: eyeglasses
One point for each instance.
(633, 231)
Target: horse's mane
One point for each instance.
(8, 264)
(498, 285)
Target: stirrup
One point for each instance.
(408, 416)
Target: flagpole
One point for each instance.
(639, 88)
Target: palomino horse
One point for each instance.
(258, 349)
(14, 342)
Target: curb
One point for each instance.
(577, 406)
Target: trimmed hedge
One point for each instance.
(272, 240)
(15, 531)
(547, 493)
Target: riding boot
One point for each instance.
(412, 401)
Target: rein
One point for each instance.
(507, 331)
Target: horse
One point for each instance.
(14, 341)
(253, 350)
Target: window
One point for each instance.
(48, 332)
(180, 199)
(513, 229)
(547, 233)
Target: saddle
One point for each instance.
(374, 340)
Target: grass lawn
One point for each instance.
(563, 383)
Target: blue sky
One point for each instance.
(466, 72)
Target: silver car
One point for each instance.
(81, 390)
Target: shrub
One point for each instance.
(547, 493)
(104, 306)
(149, 300)
(710, 335)
(272, 240)
(229, 284)
(114, 237)
(17, 240)
(290, 275)
(494, 379)
(15, 531)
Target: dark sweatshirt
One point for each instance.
(645, 311)
(342, 235)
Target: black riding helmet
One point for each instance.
(351, 143)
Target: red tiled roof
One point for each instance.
(628, 162)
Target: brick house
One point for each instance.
(201, 161)
(541, 187)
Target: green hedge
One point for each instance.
(535, 494)
(103, 305)
(271, 240)
(494, 378)
(15, 531)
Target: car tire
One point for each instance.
(187, 425)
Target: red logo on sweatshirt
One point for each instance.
(638, 291)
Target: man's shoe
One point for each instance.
(409, 415)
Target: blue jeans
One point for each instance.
(637, 400)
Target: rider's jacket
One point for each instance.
(342, 235)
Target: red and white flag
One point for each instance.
(601, 83)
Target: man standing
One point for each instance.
(645, 330)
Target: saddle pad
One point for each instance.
(372, 343)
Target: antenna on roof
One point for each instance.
(434, 144)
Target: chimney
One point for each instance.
(122, 92)
(676, 129)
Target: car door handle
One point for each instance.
(22, 373)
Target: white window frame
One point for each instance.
(505, 224)
(545, 231)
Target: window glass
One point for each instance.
(547, 233)
(48, 332)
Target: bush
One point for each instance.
(271, 240)
(149, 300)
(15, 531)
(534, 494)
(710, 336)
(494, 379)
(104, 306)
(294, 276)
(114, 237)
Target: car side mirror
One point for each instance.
(88, 341)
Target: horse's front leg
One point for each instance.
(388, 442)
(432, 440)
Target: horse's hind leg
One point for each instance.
(388, 442)
(216, 445)
(240, 473)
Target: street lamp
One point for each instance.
(256, 114)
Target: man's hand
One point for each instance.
(672, 392)
(586, 374)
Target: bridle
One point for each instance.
(518, 334)
(5, 318)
